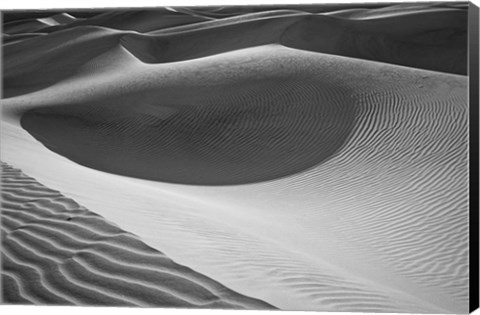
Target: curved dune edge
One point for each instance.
(257, 126)
(334, 254)
(55, 251)
(388, 211)
(431, 38)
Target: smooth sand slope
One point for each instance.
(321, 182)
(55, 251)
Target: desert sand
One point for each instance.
(309, 160)
(55, 251)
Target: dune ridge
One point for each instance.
(139, 21)
(433, 39)
(315, 159)
(55, 251)
(274, 125)
(326, 197)
(416, 230)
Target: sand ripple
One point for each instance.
(272, 127)
(346, 126)
(57, 252)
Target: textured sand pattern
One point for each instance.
(272, 126)
(315, 158)
(55, 251)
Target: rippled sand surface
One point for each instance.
(293, 158)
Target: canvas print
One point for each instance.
(294, 157)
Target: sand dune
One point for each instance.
(432, 39)
(36, 25)
(26, 72)
(420, 39)
(54, 251)
(219, 23)
(396, 10)
(311, 159)
(58, 19)
(24, 26)
(272, 123)
(19, 37)
(407, 116)
(138, 20)
(233, 10)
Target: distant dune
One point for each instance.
(433, 39)
(315, 158)
(55, 251)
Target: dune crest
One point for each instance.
(432, 38)
(272, 124)
(312, 157)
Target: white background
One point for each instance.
(51, 4)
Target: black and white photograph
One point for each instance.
(294, 157)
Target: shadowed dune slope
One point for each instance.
(207, 39)
(396, 9)
(136, 20)
(17, 15)
(57, 57)
(432, 38)
(23, 26)
(133, 20)
(261, 122)
(270, 16)
(234, 10)
(54, 251)
(272, 127)
(36, 25)
(18, 37)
